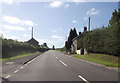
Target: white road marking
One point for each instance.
(108, 68)
(21, 67)
(63, 63)
(56, 57)
(7, 76)
(16, 71)
(9, 63)
(83, 79)
(86, 61)
(32, 60)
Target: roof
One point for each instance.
(32, 39)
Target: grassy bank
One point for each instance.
(104, 59)
(59, 50)
(18, 56)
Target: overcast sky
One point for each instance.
(51, 21)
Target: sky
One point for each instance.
(51, 21)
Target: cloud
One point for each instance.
(77, 1)
(11, 37)
(11, 2)
(4, 32)
(66, 6)
(93, 11)
(28, 22)
(56, 36)
(54, 31)
(30, 28)
(16, 28)
(41, 41)
(74, 21)
(26, 35)
(12, 20)
(60, 38)
(0, 8)
(7, 1)
(85, 18)
(15, 20)
(56, 4)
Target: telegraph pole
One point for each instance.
(89, 25)
(88, 35)
(32, 32)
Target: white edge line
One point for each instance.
(21, 67)
(85, 61)
(32, 60)
(63, 63)
(83, 79)
(56, 57)
(7, 76)
(16, 71)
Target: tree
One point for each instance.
(72, 35)
(53, 48)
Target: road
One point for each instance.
(56, 66)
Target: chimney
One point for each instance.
(85, 29)
(79, 33)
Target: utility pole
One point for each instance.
(88, 35)
(89, 25)
(32, 32)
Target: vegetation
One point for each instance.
(104, 59)
(105, 40)
(12, 48)
(72, 35)
(61, 49)
(53, 48)
(19, 56)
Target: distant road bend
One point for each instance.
(56, 66)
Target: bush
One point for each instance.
(13, 48)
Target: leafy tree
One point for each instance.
(53, 48)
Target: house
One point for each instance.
(76, 47)
(32, 41)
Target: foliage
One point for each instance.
(53, 48)
(61, 49)
(72, 35)
(105, 39)
(12, 48)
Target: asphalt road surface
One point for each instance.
(56, 66)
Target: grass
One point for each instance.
(60, 51)
(104, 59)
(18, 56)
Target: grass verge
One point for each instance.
(18, 56)
(104, 59)
(60, 51)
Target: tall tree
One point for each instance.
(75, 33)
(53, 48)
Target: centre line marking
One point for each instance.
(16, 71)
(7, 76)
(83, 79)
(63, 63)
(56, 57)
(21, 67)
